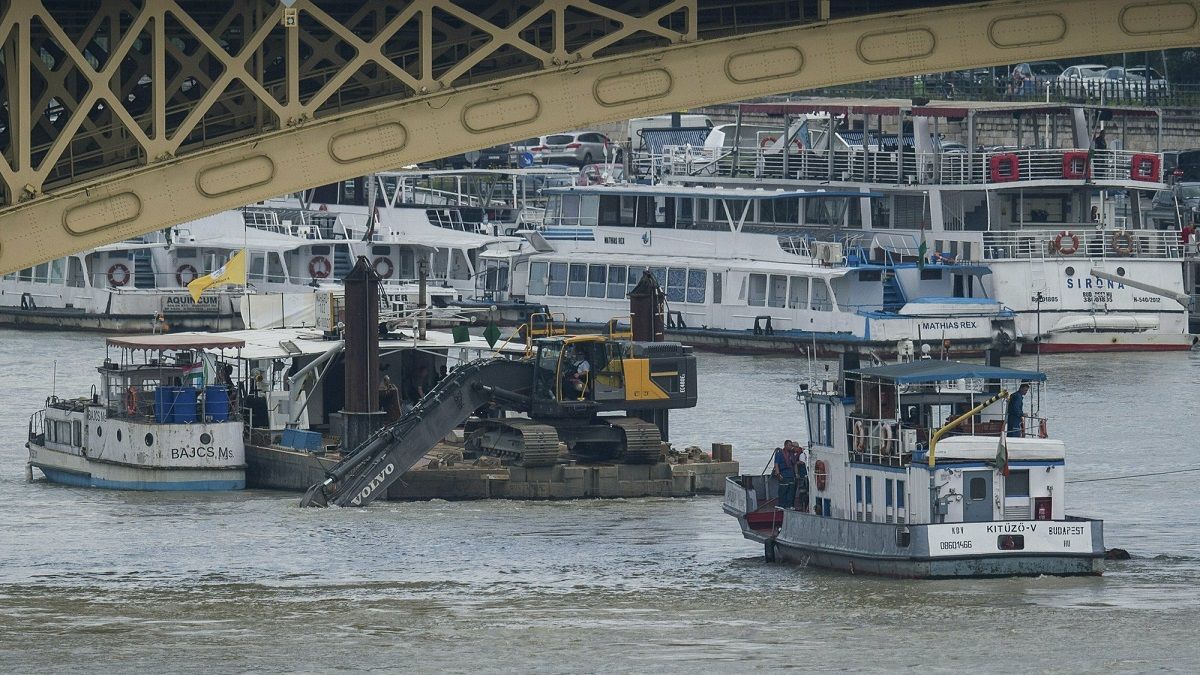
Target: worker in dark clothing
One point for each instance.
(1016, 412)
(785, 473)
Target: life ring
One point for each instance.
(192, 274)
(387, 267)
(1042, 433)
(118, 275)
(1076, 165)
(820, 474)
(131, 400)
(860, 436)
(1145, 167)
(1071, 245)
(319, 267)
(1122, 242)
(1005, 167)
(885, 433)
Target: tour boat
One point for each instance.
(916, 469)
(161, 419)
(1063, 226)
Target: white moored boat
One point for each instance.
(910, 475)
(159, 421)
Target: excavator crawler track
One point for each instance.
(643, 444)
(524, 441)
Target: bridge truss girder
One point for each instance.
(150, 113)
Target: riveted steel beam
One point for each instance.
(263, 117)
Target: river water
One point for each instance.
(118, 581)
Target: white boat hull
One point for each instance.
(67, 469)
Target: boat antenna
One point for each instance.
(1038, 338)
(54, 379)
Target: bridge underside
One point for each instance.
(118, 117)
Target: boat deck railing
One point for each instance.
(1080, 240)
(154, 403)
(993, 167)
(890, 442)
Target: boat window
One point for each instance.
(977, 489)
(381, 250)
(320, 250)
(597, 280)
(758, 290)
(635, 275)
(257, 261)
(910, 212)
(870, 275)
(717, 288)
(930, 275)
(695, 285)
(77, 433)
(610, 210)
(798, 293)
(275, 268)
(899, 494)
(858, 489)
(577, 282)
(660, 276)
(881, 213)
(616, 281)
(887, 492)
(75, 273)
(867, 488)
(41, 272)
(1011, 542)
(1016, 484)
(58, 270)
(676, 283)
(537, 278)
(735, 206)
(558, 279)
(684, 211)
(703, 208)
(26, 274)
(778, 291)
(822, 300)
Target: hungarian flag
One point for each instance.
(232, 272)
(193, 369)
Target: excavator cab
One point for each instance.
(602, 374)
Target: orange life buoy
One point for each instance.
(860, 436)
(387, 267)
(319, 267)
(191, 271)
(1005, 167)
(1066, 242)
(118, 274)
(1076, 165)
(885, 433)
(1146, 167)
(1122, 242)
(131, 400)
(820, 474)
(1042, 428)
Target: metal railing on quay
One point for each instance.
(1117, 92)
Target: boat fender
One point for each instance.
(319, 267)
(188, 272)
(1066, 242)
(1122, 242)
(131, 400)
(118, 275)
(860, 436)
(383, 267)
(1042, 433)
(820, 474)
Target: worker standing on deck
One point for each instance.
(801, 464)
(785, 472)
(1016, 412)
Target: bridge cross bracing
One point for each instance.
(118, 117)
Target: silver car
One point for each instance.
(575, 147)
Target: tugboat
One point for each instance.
(918, 470)
(164, 418)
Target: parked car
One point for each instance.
(575, 147)
(495, 157)
(1168, 206)
(1034, 76)
(528, 145)
(1158, 83)
(1120, 83)
(1082, 81)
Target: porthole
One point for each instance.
(1070, 271)
(205, 438)
(149, 440)
(1120, 271)
(118, 435)
(99, 431)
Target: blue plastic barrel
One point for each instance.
(185, 405)
(163, 400)
(216, 403)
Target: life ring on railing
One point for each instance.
(1076, 165)
(1071, 245)
(1042, 433)
(860, 436)
(192, 274)
(1122, 242)
(319, 267)
(1145, 167)
(131, 400)
(885, 433)
(387, 267)
(1005, 167)
(820, 474)
(118, 275)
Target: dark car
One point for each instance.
(1168, 205)
(495, 157)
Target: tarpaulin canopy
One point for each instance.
(916, 372)
(173, 341)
